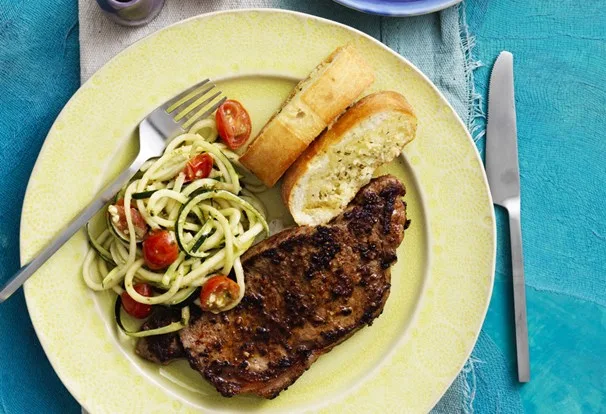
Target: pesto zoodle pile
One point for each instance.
(179, 225)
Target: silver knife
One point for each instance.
(503, 174)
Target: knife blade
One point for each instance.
(503, 172)
(501, 135)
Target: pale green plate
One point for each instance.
(441, 284)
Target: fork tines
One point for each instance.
(198, 102)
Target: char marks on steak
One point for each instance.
(308, 289)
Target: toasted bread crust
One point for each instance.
(312, 106)
(366, 107)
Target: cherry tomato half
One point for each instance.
(160, 249)
(134, 308)
(233, 123)
(218, 293)
(137, 219)
(198, 167)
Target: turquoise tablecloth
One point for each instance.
(560, 71)
(560, 51)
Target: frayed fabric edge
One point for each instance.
(475, 112)
(469, 384)
(476, 118)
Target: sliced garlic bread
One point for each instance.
(314, 103)
(327, 176)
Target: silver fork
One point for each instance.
(155, 131)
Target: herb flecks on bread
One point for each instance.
(314, 104)
(326, 177)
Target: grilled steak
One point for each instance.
(161, 349)
(308, 289)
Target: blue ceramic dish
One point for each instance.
(398, 7)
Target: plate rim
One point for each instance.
(300, 15)
(403, 10)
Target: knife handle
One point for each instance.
(519, 292)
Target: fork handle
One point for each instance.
(519, 293)
(19, 278)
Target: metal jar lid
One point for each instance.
(131, 12)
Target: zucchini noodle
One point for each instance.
(213, 219)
